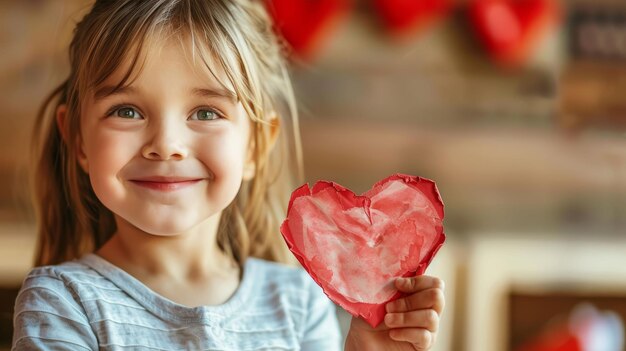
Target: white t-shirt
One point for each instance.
(90, 304)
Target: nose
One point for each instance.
(166, 143)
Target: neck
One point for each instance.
(190, 256)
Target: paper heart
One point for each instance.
(510, 28)
(355, 246)
(405, 17)
(305, 23)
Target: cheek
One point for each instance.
(223, 154)
(107, 154)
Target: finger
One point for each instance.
(421, 339)
(427, 319)
(421, 282)
(429, 298)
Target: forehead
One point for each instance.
(160, 54)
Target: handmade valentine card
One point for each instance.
(355, 246)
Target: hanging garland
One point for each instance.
(507, 29)
(404, 18)
(305, 24)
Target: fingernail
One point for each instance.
(390, 318)
(389, 307)
(403, 281)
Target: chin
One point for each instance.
(169, 224)
(159, 226)
(166, 229)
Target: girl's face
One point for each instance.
(169, 151)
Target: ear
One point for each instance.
(273, 132)
(61, 118)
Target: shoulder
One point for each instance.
(275, 270)
(51, 287)
(56, 279)
(281, 277)
(68, 285)
(48, 308)
(61, 280)
(316, 322)
(65, 273)
(292, 284)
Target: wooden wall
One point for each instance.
(432, 105)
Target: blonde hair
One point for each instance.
(236, 35)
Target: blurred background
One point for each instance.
(517, 109)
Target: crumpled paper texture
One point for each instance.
(355, 246)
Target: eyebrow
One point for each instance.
(108, 90)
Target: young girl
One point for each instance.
(157, 192)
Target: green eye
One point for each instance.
(127, 112)
(206, 115)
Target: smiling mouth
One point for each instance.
(165, 185)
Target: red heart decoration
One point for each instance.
(305, 23)
(355, 246)
(508, 28)
(405, 17)
(558, 338)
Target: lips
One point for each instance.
(165, 183)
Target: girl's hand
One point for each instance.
(411, 322)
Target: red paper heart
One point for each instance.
(509, 29)
(405, 17)
(355, 246)
(305, 23)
